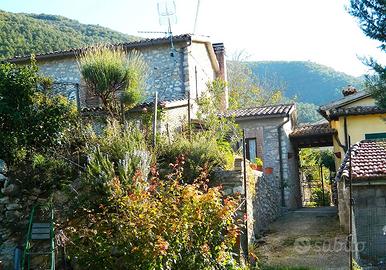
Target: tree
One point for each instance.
(372, 20)
(307, 112)
(245, 89)
(114, 76)
(31, 118)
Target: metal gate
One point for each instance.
(315, 190)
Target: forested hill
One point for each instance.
(23, 34)
(308, 81)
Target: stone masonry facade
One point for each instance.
(173, 73)
(166, 72)
(267, 138)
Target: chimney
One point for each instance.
(219, 50)
(349, 90)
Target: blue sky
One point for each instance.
(314, 30)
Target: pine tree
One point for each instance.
(372, 20)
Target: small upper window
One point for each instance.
(373, 136)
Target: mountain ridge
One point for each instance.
(23, 34)
(310, 82)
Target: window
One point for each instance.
(373, 136)
(251, 149)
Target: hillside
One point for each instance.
(23, 34)
(309, 82)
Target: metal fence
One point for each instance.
(311, 178)
(369, 226)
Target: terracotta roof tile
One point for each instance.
(129, 45)
(368, 161)
(262, 111)
(312, 129)
(345, 100)
(357, 110)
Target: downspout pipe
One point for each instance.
(279, 128)
(345, 133)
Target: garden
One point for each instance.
(117, 200)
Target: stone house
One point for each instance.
(368, 193)
(179, 69)
(267, 130)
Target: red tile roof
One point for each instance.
(357, 110)
(368, 161)
(312, 130)
(126, 45)
(262, 111)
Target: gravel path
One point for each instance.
(308, 237)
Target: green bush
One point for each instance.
(31, 119)
(119, 153)
(38, 130)
(201, 152)
(317, 197)
(131, 223)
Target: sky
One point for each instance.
(320, 31)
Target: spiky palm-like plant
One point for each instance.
(113, 75)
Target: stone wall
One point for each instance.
(173, 120)
(200, 72)
(264, 204)
(171, 72)
(266, 133)
(15, 207)
(233, 183)
(369, 220)
(292, 190)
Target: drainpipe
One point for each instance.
(184, 50)
(281, 161)
(345, 132)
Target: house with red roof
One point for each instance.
(363, 172)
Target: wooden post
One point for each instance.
(77, 97)
(245, 246)
(321, 178)
(155, 120)
(189, 117)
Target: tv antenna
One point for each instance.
(167, 16)
(196, 18)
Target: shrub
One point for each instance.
(317, 197)
(202, 152)
(118, 153)
(31, 118)
(259, 162)
(38, 130)
(155, 224)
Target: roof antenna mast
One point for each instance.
(196, 19)
(167, 16)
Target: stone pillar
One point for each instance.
(219, 50)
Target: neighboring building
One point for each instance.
(355, 116)
(368, 185)
(267, 130)
(356, 120)
(178, 71)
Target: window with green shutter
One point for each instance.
(373, 136)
